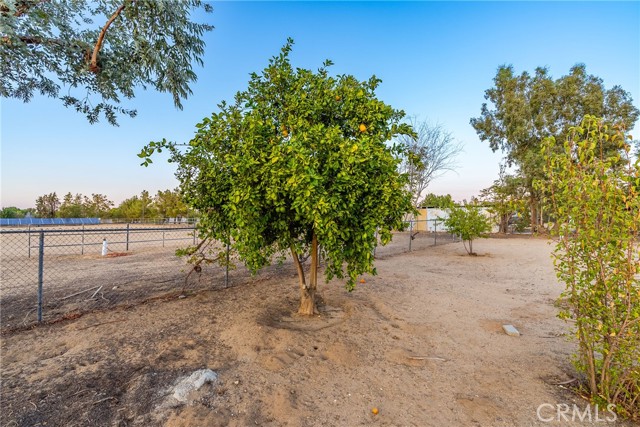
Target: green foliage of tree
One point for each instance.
(13, 212)
(147, 210)
(79, 206)
(47, 205)
(526, 108)
(169, 204)
(469, 223)
(300, 162)
(432, 200)
(128, 209)
(99, 51)
(505, 198)
(138, 208)
(97, 206)
(72, 206)
(594, 195)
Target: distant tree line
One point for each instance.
(14, 212)
(165, 204)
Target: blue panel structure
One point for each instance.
(16, 222)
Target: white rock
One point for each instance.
(193, 382)
(511, 330)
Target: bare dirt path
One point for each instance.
(421, 342)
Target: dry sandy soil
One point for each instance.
(422, 342)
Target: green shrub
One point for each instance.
(593, 183)
(468, 223)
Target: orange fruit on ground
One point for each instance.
(374, 411)
(363, 281)
(362, 127)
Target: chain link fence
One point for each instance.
(418, 235)
(53, 273)
(49, 273)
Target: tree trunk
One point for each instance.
(541, 226)
(533, 205)
(504, 223)
(308, 291)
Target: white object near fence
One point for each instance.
(104, 247)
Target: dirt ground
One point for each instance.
(422, 343)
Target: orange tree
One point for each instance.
(300, 162)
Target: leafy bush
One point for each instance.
(469, 223)
(593, 183)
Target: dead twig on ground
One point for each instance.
(104, 400)
(94, 294)
(79, 293)
(566, 382)
(24, 321)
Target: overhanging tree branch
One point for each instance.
(49, 45)
(24, 8)
(93, 65)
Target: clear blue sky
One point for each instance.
(435, 59)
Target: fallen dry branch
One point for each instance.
(104, 400)
(94, 294)
(565, 382)
(79, 293)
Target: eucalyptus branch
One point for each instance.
(63, 48)
(24, 8)
(93, 65)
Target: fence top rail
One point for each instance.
(95, 230)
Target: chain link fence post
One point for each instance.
(226, 269)
(40, 273)
(127, 243)
(410, 234)
(435, 233)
